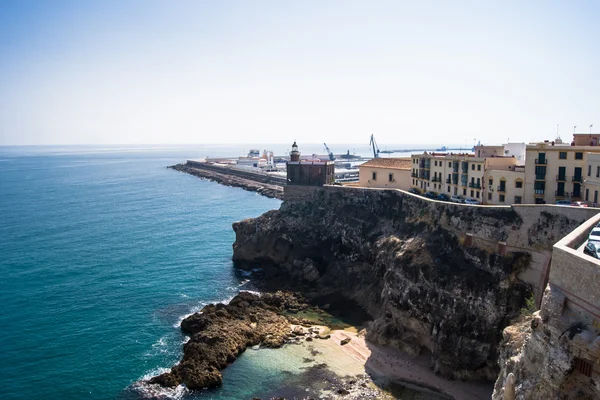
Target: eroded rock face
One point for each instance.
(220, 333)
(537, 355)
(425, 291)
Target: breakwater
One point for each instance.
(262, 183)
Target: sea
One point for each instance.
(103, 251)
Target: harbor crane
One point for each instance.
(373, 144)
(331, 156)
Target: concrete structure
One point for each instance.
(311, 172)
(576, 276)
(386, 173)
(516, 150)
(556, 171)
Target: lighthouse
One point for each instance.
(311, 172)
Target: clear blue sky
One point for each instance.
(102, 72)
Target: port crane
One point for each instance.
(373, 144)
(331, 156)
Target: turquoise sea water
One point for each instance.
(102, 252)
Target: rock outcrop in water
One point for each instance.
(221, 332)
(426, 292)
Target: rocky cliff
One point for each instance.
(538, 355)
(402, 259)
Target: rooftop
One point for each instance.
(390, 163)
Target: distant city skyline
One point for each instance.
(157, 72)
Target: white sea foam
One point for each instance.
(157, 392)
(193, 310)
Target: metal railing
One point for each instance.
(541, 162)
(561, 178)
(502, 188)
(578, 179)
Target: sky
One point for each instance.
(176, 72)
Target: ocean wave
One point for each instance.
(157, 392)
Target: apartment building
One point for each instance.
(491, 178)
(591, 182)
(505, 183)
(556, 171)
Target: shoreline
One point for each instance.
(392, 364)
(356, 369)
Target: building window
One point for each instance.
(464, 192)
(449, 164)
(472, 167)
(479, 167)
(518, 184)
(518, 200)
(477, 194)
(587, 194)
(472, 193)
(391, 177)
(374, 176)
(579, 156)
(589, 170)
(448, 189)
(489, 196)
(597, 172)
(501, 198)
(562, 155)
(491, 182)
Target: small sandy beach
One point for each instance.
(359, 356)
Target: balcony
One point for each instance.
(540, 162)
(577, 179)
(475, 185)
(465, 184)
(560, 193)
(561, 178)
(448, 180)
(455, 181)
(436, 179)
(540, 177)
(501, 189)
(539, 191)
(414, 175)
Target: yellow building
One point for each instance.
(556, 171)
(505, 183)
(452, 174)
(466, 174)
(391, 173)
(591, 182)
